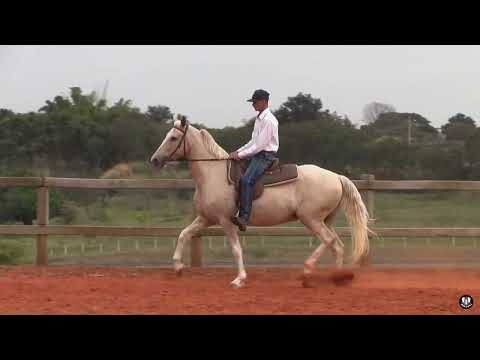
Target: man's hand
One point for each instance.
(234, 156)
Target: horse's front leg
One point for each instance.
(190, 231)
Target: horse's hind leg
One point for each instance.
(323, 230)
(327, 238)
(337, 246)
(337, 249)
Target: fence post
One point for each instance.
(196, 247)
(369, 198)
(42, 219)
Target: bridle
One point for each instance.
(185, 124)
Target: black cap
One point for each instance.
(259, 95)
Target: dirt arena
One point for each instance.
(94, 290)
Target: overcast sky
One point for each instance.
(211, 83)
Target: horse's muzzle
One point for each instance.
(158, 163)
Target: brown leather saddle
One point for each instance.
(276, 174)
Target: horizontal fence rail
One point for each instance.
(87, 230)
(367, 185)
(139, 184)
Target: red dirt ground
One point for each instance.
(87, 290)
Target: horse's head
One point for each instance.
(173, 146)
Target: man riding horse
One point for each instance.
(307, 193)
(260, 150)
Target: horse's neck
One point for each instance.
(206, 174)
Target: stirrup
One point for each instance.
(241, 227)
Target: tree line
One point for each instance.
(80, 135)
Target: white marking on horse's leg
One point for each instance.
(309, 264)
(191, 230)
(337, 246)
(337, 249)
(231, 233)
(322, 232)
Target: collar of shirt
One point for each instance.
(263, 114)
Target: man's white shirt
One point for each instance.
(264, 136)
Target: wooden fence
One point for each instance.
(367, 185)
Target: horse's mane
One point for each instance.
(212, 147)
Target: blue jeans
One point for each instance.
(258, 164)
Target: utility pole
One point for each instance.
(409, 140)
(105, 88)
(409, 131)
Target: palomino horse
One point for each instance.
(313, 198)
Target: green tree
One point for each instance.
(4, 113)
(159, 113)
(459, 127)
(396, 125)
(301, 107)
(372, 111)
(387, 157)
(472, 147)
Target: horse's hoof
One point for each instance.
(365, 262)
(306, 281)
(342, 277)
(308, 269)
(237, 283)
(178, 269)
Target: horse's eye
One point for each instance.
(173, 138)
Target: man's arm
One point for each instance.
(245, 146)
(234, 154)
(260, 142)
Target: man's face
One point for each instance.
(260, 105)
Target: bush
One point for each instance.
(20, 204)
(10, 253)
(141, 217)
(99, 214)
(72, 214)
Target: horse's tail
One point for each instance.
(357, 217)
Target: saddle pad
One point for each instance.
(283, 174)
